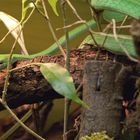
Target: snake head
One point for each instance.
(3, 61)
(2, 65)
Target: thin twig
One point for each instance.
(122, 47)
(16, 126)
(68, 26)
(10, 57)
(22, 22)
(96, 16)
(36, 118)
(78, 16)
(5, 36)
(67, 64)
(3, 101)
(4, 93)
(19, 121)
(45, 15)
(124, 20)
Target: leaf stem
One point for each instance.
(19, 121)
(78, 16)
(51, 27)
(15, 126)
(67, 64)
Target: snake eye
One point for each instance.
(1, 62)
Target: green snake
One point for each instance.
(99, 4)
(51, 50)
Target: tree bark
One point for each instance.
(27, 85)
(103, 92)
(103, 87)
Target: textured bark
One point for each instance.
(103, 87)
(27, 85)
(133, 120)
(103, 92)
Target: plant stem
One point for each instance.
(8, 133)
(19, 121)
(78, 16)
(96, 16)
(122, 47)
(67, 63)
(51, 28)
(4, 92)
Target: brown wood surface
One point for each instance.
(27, 85)
(103, 92)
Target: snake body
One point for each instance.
(52, 49)
(131, 8)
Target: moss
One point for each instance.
(97, 136)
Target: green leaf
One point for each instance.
(128, 7)
(61, 81)
(26, 4)
(109, 15)
(53, 4)
(112, 45)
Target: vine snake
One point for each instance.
(52, 49)
(121, 5)
(72, 34)
(132, 9)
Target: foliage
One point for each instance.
(61, 81)
(97, 136)
(117, 44)
(113, 45)
(109, 15)
(25, 6)
(59, 77)
(53, 4)
(14, 27)
(128, 7)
